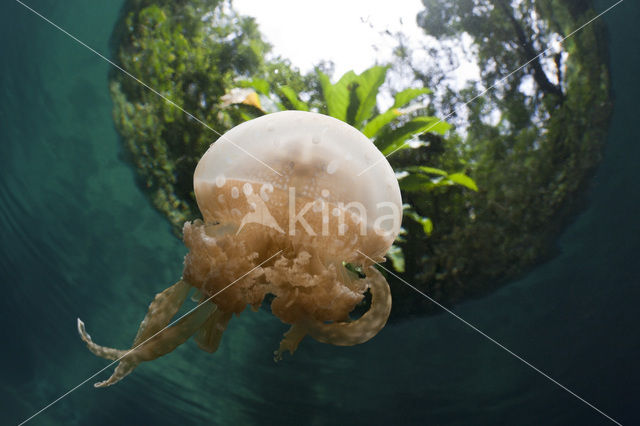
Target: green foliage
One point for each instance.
(291, 97)
(531, 152)
(262, 86)
(427, 225)
(464, 180)
(366, 88)
(418, 179)
(393, 139)
(337, 96)
(401, 99)
(397, 258)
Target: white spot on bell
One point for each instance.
(264, 189)
(333, 166)
(318, 205)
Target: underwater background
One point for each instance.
(79, 239)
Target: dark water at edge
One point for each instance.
(79, 239)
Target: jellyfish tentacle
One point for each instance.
(209, 335)
(365, 327)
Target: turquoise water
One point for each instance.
(80, 240)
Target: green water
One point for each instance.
(80, 240)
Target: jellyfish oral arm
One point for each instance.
(364, 328)
(209, 335)
(345, 333)
(153, 339)
(163, 307)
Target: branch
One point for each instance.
(529, 52)
(558, 61)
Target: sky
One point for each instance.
(346, 32)
(350, 33)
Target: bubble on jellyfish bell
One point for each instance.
(268, 227)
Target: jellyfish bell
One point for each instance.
(308, 185)
(285, 207)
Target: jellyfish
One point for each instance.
(286, 213)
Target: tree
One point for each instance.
(190, 52)
(531, 142)
(506, 35)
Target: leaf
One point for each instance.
(259, 84)
(404, 97)
(415, 182)
(238, 96)
(253, 100)
(426, 169)
(369, 83)
(292, 97)
(248, 111)
(401, 99)
(336, 96)
(427, 225)
(380, 121)
(464, 180)
(354, 104)
(441, 127)
(397, 258)
(395, 139)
